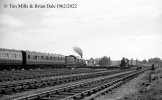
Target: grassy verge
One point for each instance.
(148, 90)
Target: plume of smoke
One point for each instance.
(78, 51)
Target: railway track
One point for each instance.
(16, 75)
(86, 89)
(27, 85)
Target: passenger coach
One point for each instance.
(37, 59)
(10, 58)
(17, 59)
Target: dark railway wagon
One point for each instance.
(78, 62)
(81, 62)
(70, 61)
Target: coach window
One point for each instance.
(47, 58)
(54, 58)
(42, 57)
(36, 57)
(51, 58)
(28, 56)
(7, 55)
(13, 56)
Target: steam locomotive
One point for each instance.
(19, 59)
(124, 63)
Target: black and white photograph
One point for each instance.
(80, 49)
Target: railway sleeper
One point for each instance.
(72, 87)
(85, 93)
(81, 85)
(88, 87)
(42, 95)
(53, 95)
(67, 80)
(97, 89)
(31, 98)
(77, 96)
(76, 91)
(31, 82)
(44, 84)
(18, 84)
(80, 89)
(67, 88)
(55, 82)
(49, 83)
(2, 90)
(25, 83)
(77, 86)
(52, 92)
(47, 98)
(66, 93)
(60, 90)
(73, 79)
(61, 81)
(7, 91)
(32, 86)
(90, 91)
(58, 96)
(64, 80)
(17, 89)
(25, 87)
(4, 86)
(39, 85)
(10, 85)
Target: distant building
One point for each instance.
(90, 62)
(133, 62)
(115, 62)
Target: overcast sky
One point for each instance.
(113, 28)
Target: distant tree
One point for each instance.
(91, 62)
(154, 60)
(104, 61)
(97, 61)
(91, 59)
(144, 61)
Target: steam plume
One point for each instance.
(78, 51)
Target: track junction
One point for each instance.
(66, 87)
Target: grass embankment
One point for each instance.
(148, 90)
